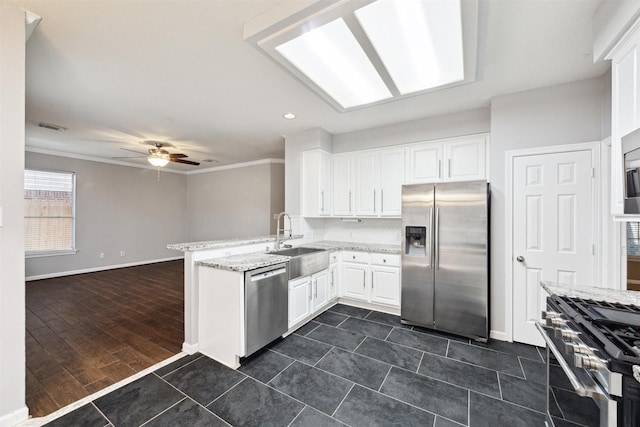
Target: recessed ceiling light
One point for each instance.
(333, 59)
(289, 116)
(419, 42)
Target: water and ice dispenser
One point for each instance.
(416, 238)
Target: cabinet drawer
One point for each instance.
(385, 259)
(352, 256)
(333, 256)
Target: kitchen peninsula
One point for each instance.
(358, 264)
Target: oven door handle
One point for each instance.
(580, 388)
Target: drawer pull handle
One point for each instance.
(354, 257)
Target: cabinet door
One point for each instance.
(466, 159)
(320, 283)
(342, 185)
(354, 281)
(333, 281)
(391, 178)
(424, 163)
(315, 192)
(366, 184)
(299, 300)
(385, 285)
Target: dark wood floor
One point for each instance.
(88, 331)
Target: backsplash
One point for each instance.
(369, 230)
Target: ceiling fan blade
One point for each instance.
(186, 162)
(134, 151)
(177, 156)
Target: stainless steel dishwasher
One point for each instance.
(266, 305)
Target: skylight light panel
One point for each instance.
(419, 42)
(332, 58)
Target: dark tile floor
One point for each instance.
(353, 367)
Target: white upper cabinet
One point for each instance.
(456, 159)
(343, 176)
(366, 187)
(368, 183)
(390, 180)
(424, 163)
(465, 158)
(625, 97)
(316, 183)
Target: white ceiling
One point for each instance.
(115, 73)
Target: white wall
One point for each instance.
(118, 208)
(12, 310)
(570, 113)
(238, 202)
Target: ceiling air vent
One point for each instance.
(52, 127)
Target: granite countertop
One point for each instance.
(354, 246)
(244, 262)
(613, 296)
(225, 243)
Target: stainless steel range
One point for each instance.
(597, 344)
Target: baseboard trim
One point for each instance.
(499, 335)
(15, 417)
(101, 268)
(190, 348)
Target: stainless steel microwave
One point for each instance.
(631, 154)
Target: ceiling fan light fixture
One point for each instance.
(158, 161)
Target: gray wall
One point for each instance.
(118, 208)
(464, 123)
(570, 113)
(237, 202)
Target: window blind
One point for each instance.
(633, 238)
(49, 210)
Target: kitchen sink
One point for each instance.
(304, 261)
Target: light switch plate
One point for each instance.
(1, 217)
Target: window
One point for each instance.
(633, 239)
(49, 212)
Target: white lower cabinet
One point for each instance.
(320, 288)
(385, 285)
(299, 299)
(333, 276)
(307, 295)
(373, 278)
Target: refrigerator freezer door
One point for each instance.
(417, 254)
(461, 266)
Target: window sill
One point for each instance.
(41, 254)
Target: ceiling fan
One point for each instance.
(160, 157)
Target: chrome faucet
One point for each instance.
(284, 230)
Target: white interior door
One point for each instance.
(553, 234)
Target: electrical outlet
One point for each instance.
(101, 255)
(122, 253)
(275, 217)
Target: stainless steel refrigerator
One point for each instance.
(445, 257)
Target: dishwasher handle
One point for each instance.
(267, 272)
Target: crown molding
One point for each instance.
(115, 162)
(236, 166)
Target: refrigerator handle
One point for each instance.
(429, 240)
(436, 249)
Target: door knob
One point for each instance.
(520, 258)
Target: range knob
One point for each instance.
(566, 334)
(577, 348)
(550, 315)
(556, 322)
(589, 362)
